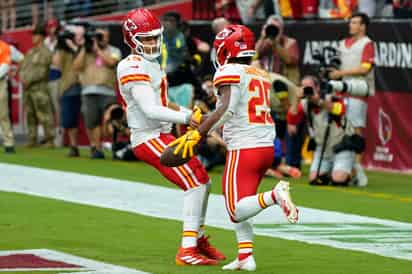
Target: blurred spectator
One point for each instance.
(270, 7)
(402, 8)
(50, 42)
(198, 52)
(212, 149)
(96, 63)
(337, 8)
(228, 10)
(368, 7)
(276, 52)
(194, 44)
(69, 89)
(298, 8)
(244, 7)
(8, 14)
(175, 60)
(115, 127)
(284, 98)
(376, 8)
(34, 75)
(52, 28)
(279, 169)
(174, 50)
(5, 124)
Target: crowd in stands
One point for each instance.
(248, 11)
(75, 76)
(20, 13)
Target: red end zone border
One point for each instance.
(51, 260)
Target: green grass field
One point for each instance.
(149, 244)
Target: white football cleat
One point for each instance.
(247, 264)
(361, 176)
(284, 200)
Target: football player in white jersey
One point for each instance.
(248, 130)
(143, 86)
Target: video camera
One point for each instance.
(62, 36)
(328, 58)
(90, 36)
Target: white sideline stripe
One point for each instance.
(89, 266)
(138, 198)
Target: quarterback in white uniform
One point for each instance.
(143, 86)
(248, 130)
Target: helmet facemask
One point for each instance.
(149, 52)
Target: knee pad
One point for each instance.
(321, 180)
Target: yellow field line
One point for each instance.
(378, 195)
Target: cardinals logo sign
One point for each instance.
(385, 127)
(382, 152)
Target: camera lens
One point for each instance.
(116, 113)
(308, 91)
(271, 31)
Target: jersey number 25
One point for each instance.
(259, 105)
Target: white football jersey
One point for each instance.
(136, 70)
(251, 125)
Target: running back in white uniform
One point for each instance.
(135, 70)
(251, 125)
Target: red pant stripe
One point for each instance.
(189, 172)
(179, 169)
(158, 150)
(232, 183)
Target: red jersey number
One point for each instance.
(163, 92)
(259, 106)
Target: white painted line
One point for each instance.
(138, 198)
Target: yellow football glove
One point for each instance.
(186, 142)
(196, 116)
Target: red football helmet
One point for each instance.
(140, 25)
(233, 41)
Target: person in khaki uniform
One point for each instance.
(97, 73)
(5, 125)
(34, 75)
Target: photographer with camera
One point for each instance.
(332, 135)
(356, 77)
(115, 127)
(277, 52)
(96, 64)
(69, 41)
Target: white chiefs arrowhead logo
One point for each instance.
(129, 25)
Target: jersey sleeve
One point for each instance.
(368, 53)
(132, 70)
(227, 75)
